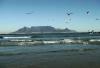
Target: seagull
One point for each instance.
(87, 12)
(69, 14)
(97, 19)
(28, 13)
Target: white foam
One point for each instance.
(16, 37)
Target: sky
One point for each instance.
(15, 14)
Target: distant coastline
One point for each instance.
(41, 29)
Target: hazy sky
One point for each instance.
(14, 14)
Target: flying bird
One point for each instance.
(97, 19)
(87, 12)
(69, 14)
(28, 13)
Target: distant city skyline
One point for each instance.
(79, 15)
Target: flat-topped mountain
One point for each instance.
(40, 29)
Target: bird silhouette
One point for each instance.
(87, 12)
(97, 19)
(28, 13)
(69, 13)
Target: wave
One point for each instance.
(9, 53)
(75, 50)
(52, 51)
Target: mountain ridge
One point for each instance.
(41, 29)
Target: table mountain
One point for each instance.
(39, 29)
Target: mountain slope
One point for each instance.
(35, 29)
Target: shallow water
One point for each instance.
(50, 56)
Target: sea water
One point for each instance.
(50, 56)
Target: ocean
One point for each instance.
(50, 56)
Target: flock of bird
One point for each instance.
(68, 14)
